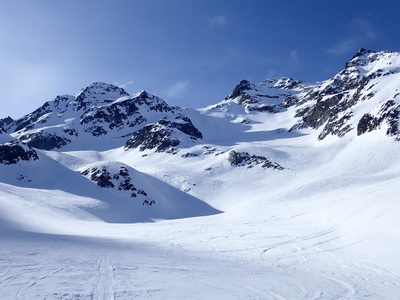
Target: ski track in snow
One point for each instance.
(105, 287)
(246, 262)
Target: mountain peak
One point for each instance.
(370, 58)
(98, 92)
(143, 94)
(107, 87)
(102, 88)
(243, 85)
(285, 83)
(362, 52)
(5, 122)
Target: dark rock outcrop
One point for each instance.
(153, 103)
(367, 123)
(101, 176)
(336, 98)
(240, 88)
(44, 141)
(96, 93)
(38, 116)
(13, 152)
(115, 116)
(245, 159)
(272, 95)
(388, 114)
(164, 135)
(119, 179)
(4, 123)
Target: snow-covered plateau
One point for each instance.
(283, 190)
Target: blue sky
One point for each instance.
(189, 52)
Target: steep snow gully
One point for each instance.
(282, 190)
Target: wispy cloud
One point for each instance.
(365, 28)
(294, 57)
(219, 20)
(363, 31)
(294, 61)
(177, 89)
(123, 85)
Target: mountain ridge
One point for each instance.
(104, 109)
(239, 131)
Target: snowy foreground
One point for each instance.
(177, 260)
(326, 229)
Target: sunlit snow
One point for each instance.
(327, 226)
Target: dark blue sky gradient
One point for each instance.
(189, 52)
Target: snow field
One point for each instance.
(321, 229)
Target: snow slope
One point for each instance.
(278, 198)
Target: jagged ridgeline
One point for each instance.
(103, 111)
(363, 97)
(238, 135)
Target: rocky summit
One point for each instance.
(99, 110)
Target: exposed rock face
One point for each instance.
(111, 117)
(185, 125)
(272, 95)
(164, 135)
(153, 103)
(44, 141)
(119, 179)
(332, 107)
(336, 101)
(4, 123)
(126, 113)
(42, 115)
(367, 123)
(154, 136)
(13, 152)
(96, 93)
(240, 90)
(388, 114)
(101, 176)
(245, 159)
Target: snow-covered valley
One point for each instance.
(283, 190)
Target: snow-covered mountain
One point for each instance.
(294, 186)
(363, 96)
(99, 110)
